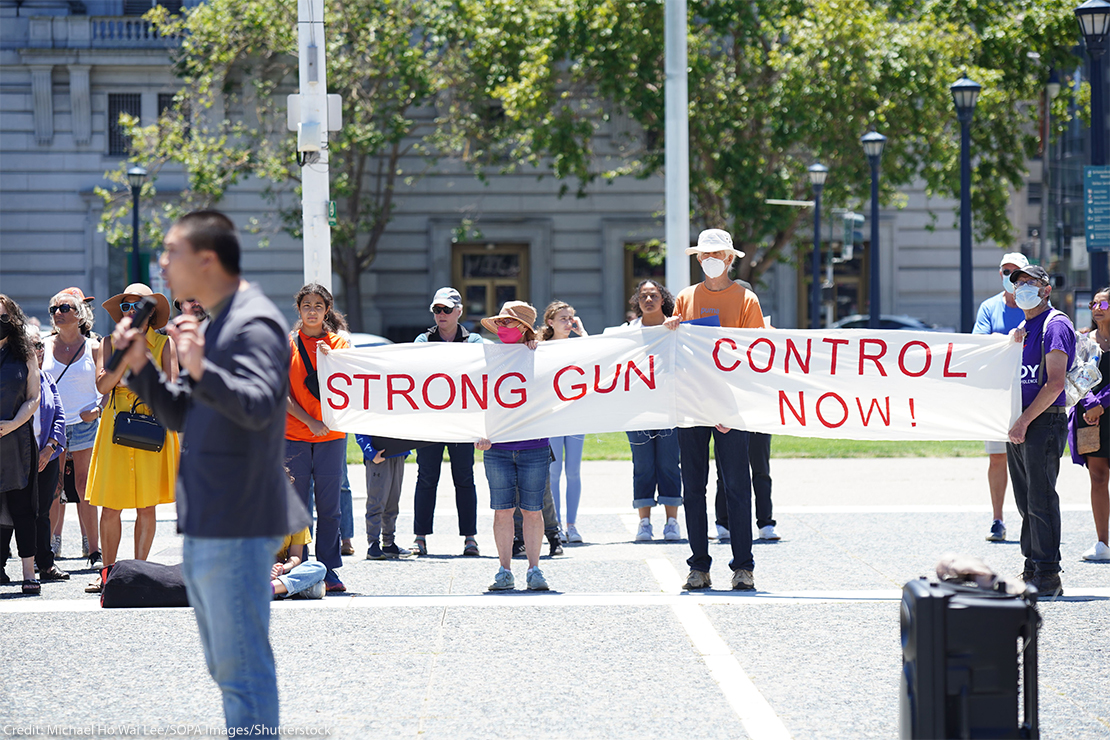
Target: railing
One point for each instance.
(127, 33)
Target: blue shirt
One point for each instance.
(995, 317)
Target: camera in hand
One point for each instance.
(146, 308)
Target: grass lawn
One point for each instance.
(614, 446)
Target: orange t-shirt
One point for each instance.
(737, 307)
(295, 429)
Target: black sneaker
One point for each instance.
(1047, 585)
(375, 552)
(392, 551)
(518, 549)
(556, 546)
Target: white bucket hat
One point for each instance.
(714, 240)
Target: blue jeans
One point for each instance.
(302, 577)
(322, 464)
(1034, 465)
(568, 452)
(228, 580)
(346, 506)
(517, 475)
(655, 465)
(429, 462)
(732, 455)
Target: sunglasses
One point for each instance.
(1100, 305)
(5, 318)
(441, 309)
(1008, 273)
(126, 307)
(182, 302)
(64, 308)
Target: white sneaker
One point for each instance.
(643, 534)
(572, 534)
(722, 533)
(768, 533)
(84, 547)
(56, 545)
(670, 530)
(1098, 553)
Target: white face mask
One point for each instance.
(1007, 285)
(1027, 297)
(712, 267)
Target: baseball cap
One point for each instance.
(1014, 258)
(1034, 271)
(78, 294)
(446, 297)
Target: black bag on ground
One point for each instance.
(138, 583)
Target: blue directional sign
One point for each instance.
(1096, 208)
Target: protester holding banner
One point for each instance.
(313, 453)
(732, 305)
(655, 454)
(1038, 436)
(517, 472)
(1092, 447)
(559, 322)
(446, 308)
(999, 314)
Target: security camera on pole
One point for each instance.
(312, 114)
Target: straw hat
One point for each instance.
(520, 312)
(133, 292)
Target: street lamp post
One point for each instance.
(817, 174)
(965, 94)
(1051, 90)
(1094, 22)
(136, 176)
(873, 143)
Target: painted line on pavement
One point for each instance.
(759, 719)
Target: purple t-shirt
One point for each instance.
(1059, 335)
(526, 444)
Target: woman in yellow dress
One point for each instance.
(124, 477)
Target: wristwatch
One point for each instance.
(53, 445)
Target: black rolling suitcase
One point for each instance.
(968, 655)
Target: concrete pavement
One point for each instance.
(616, 650)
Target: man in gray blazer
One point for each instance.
(234, 501)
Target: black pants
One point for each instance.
(759, 458)
(23, 506)
(47, 485)
(1034, 465)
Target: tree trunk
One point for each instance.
(352, 299)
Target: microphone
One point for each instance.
(146, 308)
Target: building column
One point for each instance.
(80, 103)
(42, 93)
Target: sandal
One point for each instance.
(420, 546)
(346, 548)
(31, 588)
(95, 587)
(470, 548)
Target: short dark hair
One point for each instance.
(213, 231)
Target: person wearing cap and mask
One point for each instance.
(124, 477)
(736, 307)
(1038, 436)
(446, 309)
(999, 314)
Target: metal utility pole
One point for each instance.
(676, 162)
(312, 142)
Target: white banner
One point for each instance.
(844, 384)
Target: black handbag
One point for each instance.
(141, 431)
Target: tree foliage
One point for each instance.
(774, 85)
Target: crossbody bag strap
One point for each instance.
(71, 359)
(310, 369)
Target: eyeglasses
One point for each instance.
(126, 307)
(179, 303)
(1100, 305)
(64, 308)
(441, 309)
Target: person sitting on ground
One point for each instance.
(293, 575)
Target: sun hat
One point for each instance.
(1014, 258)
(714, 240)
(446, 297)
(138, 290)
(522, 313)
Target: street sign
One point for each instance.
(332, 213)
(1096, 208)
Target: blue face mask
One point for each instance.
(1027, 297)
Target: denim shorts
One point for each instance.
(81, 436)
(517, 475)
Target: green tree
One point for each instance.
(237, 61)
(774, 86)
